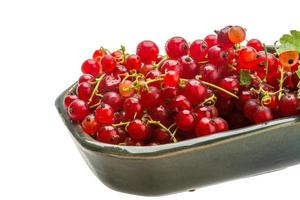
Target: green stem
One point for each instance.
(282, 73)
(165, 128)
(98, 80)
(219, 88)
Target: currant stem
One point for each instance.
(163, 127)
(120, 124)
(219, 88)
(98, 80)
(282, 73)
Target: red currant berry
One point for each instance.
(92, 67)
(205, 126)
(206, 111)
(125, 88)
(161, 136)
(169, 65)
(132, 107)
(160, 113)
(120, 69)
(198, 50)
(250, 107)
(180, 102)
(262, 114)
(109, 83)
(78, 110)
(220, 124)
(223, 37)
(86, 78)
(104, 114)
(210, 73)
(146, 68)
(108, 63)
(288, 105)
(189, 67)
(147, 51)
(171, 78)
(113, 99)
(195, 92)
(246, 57)
(211, 40)
(133, 62)
(150, 97)
(231, 84)
(138, 130)
(90, 125)
(69, 99)
(256, 44)
(108, 134)
(185, 120)
(176, 47)
(84, 91)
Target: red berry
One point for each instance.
(256, 44)
(146, 68)
(171, 78)
(147, 51)
(195, 92)
(206, 111)
(210, 73)
(86, 78)
(198, 50)
(132, 107)
(180, 102)
(90, 125)
(176, 47)
(69, 99)
(138, 130)
(113, 99)
(231, 84)
(185, 120)
(211, 40)
(92, 67)
(78, 110)
(250, 107)
(288, 105)
(108, 134)
(262, 114)
(99, 53)
(84, 91)
(104, 114)
(220, 124)
(133, 62)
(150, 97)
(205, 127)
(109, 83)
(246, 57)
(108, 63)
(189, 67)
(169, 65)
(161, 136)
(160, 113)
(223, 39)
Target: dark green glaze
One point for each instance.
(170, 168)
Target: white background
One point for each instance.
(42, 46)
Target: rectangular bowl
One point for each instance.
(190, 164)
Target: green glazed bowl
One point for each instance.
(182, 166)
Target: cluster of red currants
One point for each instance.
(208, 86)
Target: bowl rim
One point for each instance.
(135, 151)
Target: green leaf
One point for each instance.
(290, 42)
(245, 78)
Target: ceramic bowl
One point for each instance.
(190, 164)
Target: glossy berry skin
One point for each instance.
(171, 78)
(272, 103)
(99, 53)
(150, 97)
(86, 78)
(260, 64)
(148, 51)
(169, 93)
(206, 111)
(108, 134)
(173, 65)
(180, 102)
(78, 110)
(109, 83)
(218, 56)
(69, 99)
(133, 62)
(189, 67)
(211, 40)
(220, 124)
(161, 136)
(223, 39)
(246, 58)
(224, 106)
(185, 120)
(210, 73)
(90, 125)
(230, 84)
(108, 63)
(249, 108)
(256, 44)
(176, 47)
(160, 113)
(288, 105)
(113, 99)
(125, 89)
(104, 114)
(262, 114)
(138, 130)
(132, 107)
(198, 50)
(92, 67)
(195, 92)
(146, 68)
(205, 126)
(236, 34)
(84, 91)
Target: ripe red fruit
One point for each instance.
(180, 102)
(260, 64)
(185, 120)
(220, 124)
(160, 113)
(176, 47)
(189, 67)
(150, 97)
(90, 125)
(171, 78)
(113, 99)
(223, 38)
(104, 114)
(262, 114)
(84, 91)
(249, 108)
(92, 67)
(256, 44)
(109, 83)
(246, 57)
(132, 107)
(97, 55)
(86, 78)
(78, 110)
(147, 51)
(211, 40)
(205, 127)
(138, 130)
(169, 65)
(195, 92)
(288, 105)
(108, 63)
(210, 73)
(198, 50)
(161, 136)
(69, 99)
(231, 84)
(206, 111)
(133, 62)
(108, 134)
